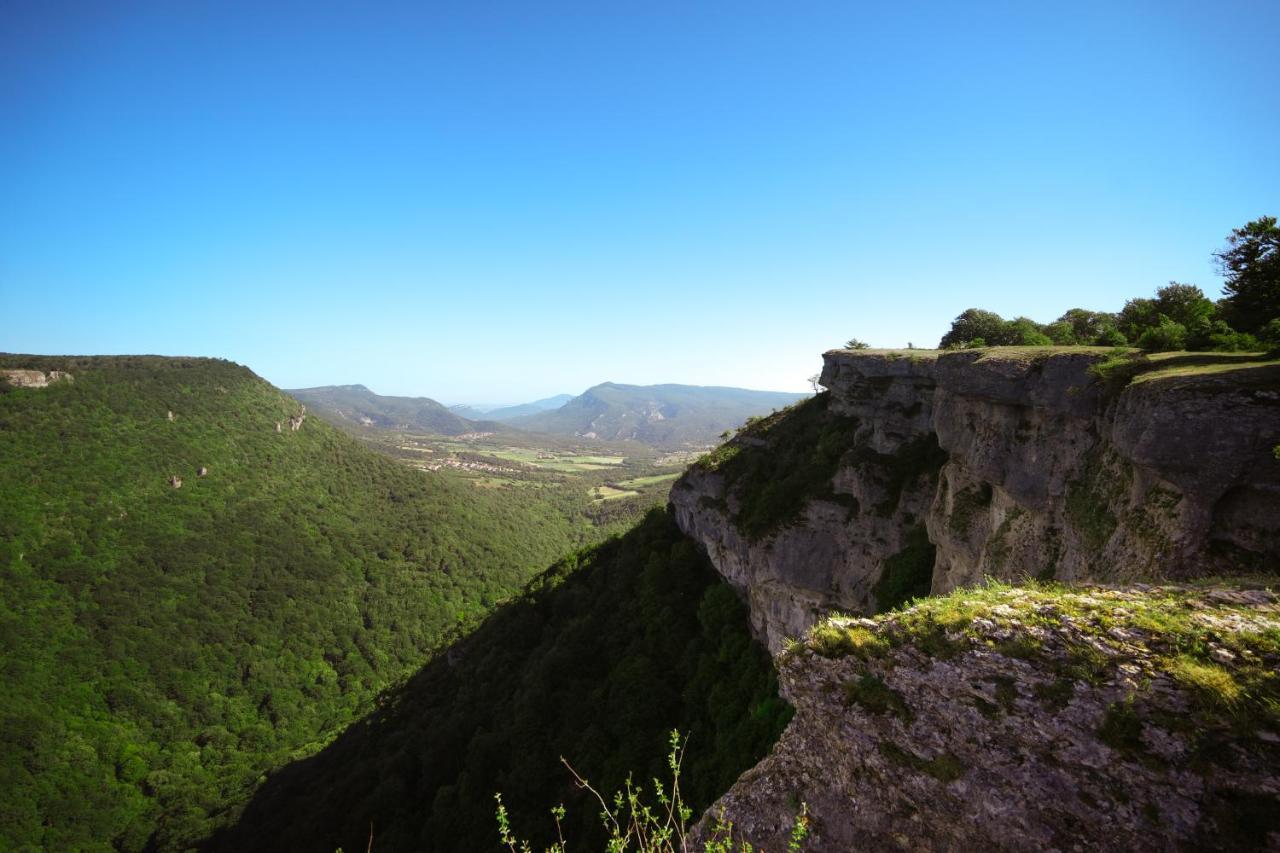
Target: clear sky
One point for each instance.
(491, 202)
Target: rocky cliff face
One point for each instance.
(19, 378)
(921, 472)
(1025, 719)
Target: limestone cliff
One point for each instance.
(920, 472)
(1029, 719)
(22, 378)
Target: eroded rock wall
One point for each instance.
(1046, 470)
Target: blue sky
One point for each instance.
(492, 202)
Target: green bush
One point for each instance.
(1235, 342)
(1110, 337)
(1165, 336)
(658, 827)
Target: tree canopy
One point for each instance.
(1179, 316)
(601, 656)
(1250, 263)
(165, 647)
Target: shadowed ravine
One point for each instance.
(604, 654)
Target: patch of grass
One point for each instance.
(1086, 663)
(836, 641)
(1180, 631)
(1123, 367)
(1006, 693)
(651, 480)
(610, 493)
(932, 638)
(1121, 729)
(1056, 694)
(1118, 368)
(1170, 365)
(944, 767)
(870, 692)
(716, 459)
(908, 574)
(1212, 683)
(1021, 647)
(967, 505)
(1088, 507)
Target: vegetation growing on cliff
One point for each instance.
(1220, 642)
(777, 464)
(661, 825)
(908, 574)
(164, 647)
(1179, 317)
(1103, 716)
(602, 656)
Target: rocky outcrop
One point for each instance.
(1025, 719)
(34, 378)
(1052, 463)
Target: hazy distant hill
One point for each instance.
(665, 416)
(470, 413)
(504, 413)
(358, 406)
(547, 404)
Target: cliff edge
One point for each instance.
(919, 472)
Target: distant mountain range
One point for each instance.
(665, 416)
(506, 413)
(662, 416)
(356, 405)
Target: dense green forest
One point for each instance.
(601, 657)
(1179, 317)
(165, 647)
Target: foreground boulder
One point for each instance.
(1039, 718)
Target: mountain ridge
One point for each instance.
(358, 406)
(506, 413)
(667, 415)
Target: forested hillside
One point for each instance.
(602, 656)
(357, 406)
(166, 645)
